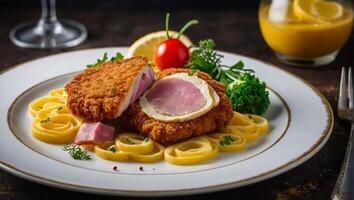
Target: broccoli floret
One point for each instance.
(248, 94)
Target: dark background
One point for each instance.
(234, 27)
(124, 4)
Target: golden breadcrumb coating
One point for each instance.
(97, 93)
(169, 132)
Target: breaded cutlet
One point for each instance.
(105, 91)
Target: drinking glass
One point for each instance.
(48, 32)
(306, 32)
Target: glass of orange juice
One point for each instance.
(306, 32)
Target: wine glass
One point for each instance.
(48, 32)
(306, 32)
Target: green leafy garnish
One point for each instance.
(112, 149)
(45, 120)
(226, 140)
(248, 94)
(117, 57)
(76, 152)
(250, 97)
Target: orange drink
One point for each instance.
(306, 32)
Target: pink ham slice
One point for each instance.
(142, 81)
(94, 133)
(176, 97)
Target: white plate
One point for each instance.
(301, 122)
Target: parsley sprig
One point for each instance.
(104, 59)
(205, 58)
(226, 140)
(246, 92)
(76, 152)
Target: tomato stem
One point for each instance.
(167, 22)
(186, 26)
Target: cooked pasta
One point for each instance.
(53, 121)
(192, 151)
(131, 147)
(241, 130)
(236, 142)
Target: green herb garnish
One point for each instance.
(117, 57)
(246, 92)
(112, 149)
(45, 120)
(129, 141)
(227, 139)
(76, 152)
(60, 108)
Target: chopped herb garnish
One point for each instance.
(227, 139)
(60, 108)
(45, 120)
(114, 90)
(76, 152)
(112, 149)
(129, 141)
(117, 57)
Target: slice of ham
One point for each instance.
(142, 81)
(94, 133)
(175, 96)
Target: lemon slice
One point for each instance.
(327, 10)
(145, 46)
(317, 11)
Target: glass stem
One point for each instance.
(48, 11)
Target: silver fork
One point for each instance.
(343, 190)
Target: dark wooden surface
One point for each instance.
(234, 30)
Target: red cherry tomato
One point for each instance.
(171, 53)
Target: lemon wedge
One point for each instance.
(317, 11)
(146, 45)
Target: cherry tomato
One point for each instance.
(171, 53)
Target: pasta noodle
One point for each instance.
(104, 152)
(237, 143)
(192, 151)
(56, 129)
(131, 147)
(241, 130)
(53, 121)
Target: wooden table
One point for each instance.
(234, 30)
